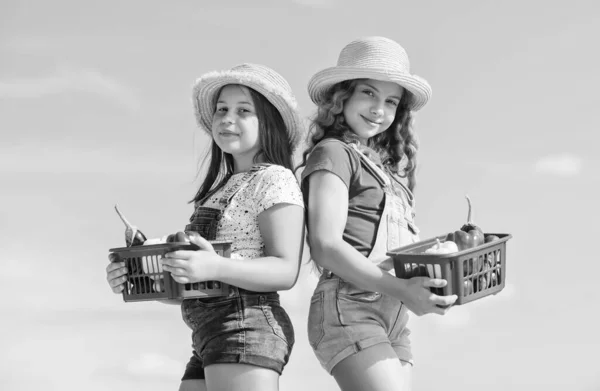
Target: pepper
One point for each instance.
(446, 247)
(469, 235)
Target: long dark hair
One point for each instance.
(275, 146)
(392, 145)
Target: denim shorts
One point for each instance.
(245, 328)
(344, 319)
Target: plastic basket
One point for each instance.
(471, 274)
(147, 281)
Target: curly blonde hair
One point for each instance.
(397, 146)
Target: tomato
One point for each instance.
(182, 237)
(491, 238)
(179, 237)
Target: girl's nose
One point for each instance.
(377, 109)
(227, 119)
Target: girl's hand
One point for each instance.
(116, 274)
(419, 299)
(188, 266)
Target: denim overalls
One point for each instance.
(244, 327)
(396, 226)
(344, 319)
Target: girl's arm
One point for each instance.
(282, 229)
(327, 213)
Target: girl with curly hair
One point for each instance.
(358, 182)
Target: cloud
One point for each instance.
(67, 79)
(155, 365)
(560, 165)
(316, 3)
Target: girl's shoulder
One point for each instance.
(333, 144)
(333, 149)
(334, 155)
(268, 174)
(271, 170)
(273, 184)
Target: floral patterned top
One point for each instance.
(239, 222)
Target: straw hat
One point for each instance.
(260, 78)
(376, 58)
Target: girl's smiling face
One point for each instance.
(235, 123)
(371, 108)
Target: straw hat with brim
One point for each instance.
(260, 78)
(376, 58)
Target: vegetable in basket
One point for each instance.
(133, 236)
(486, 277)
(467, 287)
(490, 238)
(152, 266)
(446, 247)
(179, 237)
(469, 235)
(494, 279)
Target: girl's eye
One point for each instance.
(393, 103)
(221, 109)
(369, 92)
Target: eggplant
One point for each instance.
(133, 236)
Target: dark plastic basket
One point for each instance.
(147, 281)
(471, 274)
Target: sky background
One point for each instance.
(95, 110)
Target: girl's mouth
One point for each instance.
(369, 122)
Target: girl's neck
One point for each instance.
(243, 164)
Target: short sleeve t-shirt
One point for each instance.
(365, 193)
(239, 224)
